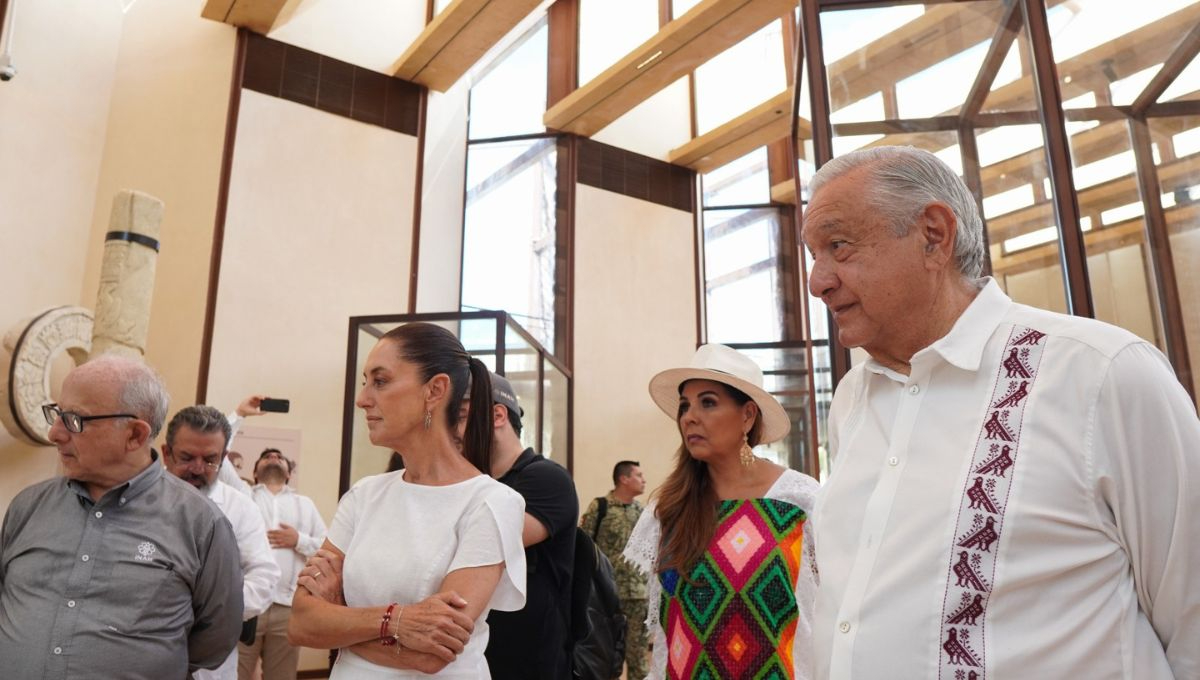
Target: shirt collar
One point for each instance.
(130, 489)
(215, 491)
(963, 346)
(287, 488)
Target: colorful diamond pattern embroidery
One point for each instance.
(738, 650)
(742, 542)
(734, 615)
(682, 646)
(703, 597)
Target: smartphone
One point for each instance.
(274, 405)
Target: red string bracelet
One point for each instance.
(384, 638)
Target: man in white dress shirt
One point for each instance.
(1013, 492)
(296, 531)
(197, 438)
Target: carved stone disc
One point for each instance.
(29, 351)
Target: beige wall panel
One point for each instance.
(635, 314)
(318, 230)
(1040, 288)
(53, 118)
(165, 137)
(1121, 291)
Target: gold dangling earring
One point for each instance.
(428, 419)
(746, 455)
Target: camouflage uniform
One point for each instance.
(614, 531)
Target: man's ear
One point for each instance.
(139, 435)
(499, 416)
(939, 227)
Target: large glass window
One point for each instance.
(510, 238)
(958, 79)
(747, 74)
(611, 29)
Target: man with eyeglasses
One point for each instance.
(114, 569)
(197, 438)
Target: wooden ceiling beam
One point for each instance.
(457, 38)
(257, 15)
(761, 125)
(676, 50)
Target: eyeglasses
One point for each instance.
(73, 421)
(184, 460)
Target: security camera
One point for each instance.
(8, 72)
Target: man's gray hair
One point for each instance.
(142, 391)
(904, 180)
(202, 419)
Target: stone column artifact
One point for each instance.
(127, 275)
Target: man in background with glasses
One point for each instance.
(114, 569)
(197, 438)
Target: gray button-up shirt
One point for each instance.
(144, 583)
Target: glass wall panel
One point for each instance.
(743, 76)
(509, 232)
(681, 7)
(1113, 60)
(521, 368)
(1019, 215)
(741, 182)
(510, 97)
(785, 376)
(744, 300)
(611, 29)
(1178, 141)
(555, 437)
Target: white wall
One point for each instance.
(319, 229)
(53, 118)
(635, 314)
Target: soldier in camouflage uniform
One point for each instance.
(616, 522)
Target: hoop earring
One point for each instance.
(746, 454)
(428, 419)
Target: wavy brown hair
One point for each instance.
(687, 502)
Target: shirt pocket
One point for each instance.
(144, 598)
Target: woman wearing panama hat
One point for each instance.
(733, 577)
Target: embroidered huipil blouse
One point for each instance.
(1021, 506)
(745, 609)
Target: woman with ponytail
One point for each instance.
(416, 558)
(732, 579)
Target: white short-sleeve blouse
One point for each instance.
(402, 539)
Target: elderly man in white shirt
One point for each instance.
(197, 438)
(296, 532)
(1012, 492)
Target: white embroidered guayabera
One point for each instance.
(642, 550)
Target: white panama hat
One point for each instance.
(729, 367)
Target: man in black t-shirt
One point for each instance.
(533, 643)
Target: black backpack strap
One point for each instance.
(600, 512)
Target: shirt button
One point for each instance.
(58, 650)
(844, 626)
(71, 603)
(99, 514)
(85, 558)
(122, 501)
(915, 389)
(893, 461)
